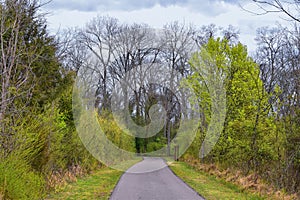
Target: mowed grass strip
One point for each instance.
(209, 186)
(98, 185)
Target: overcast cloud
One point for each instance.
(208, 7)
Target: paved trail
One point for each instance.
(152, 179)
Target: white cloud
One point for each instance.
(209, 7)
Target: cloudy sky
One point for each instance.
(70, 13)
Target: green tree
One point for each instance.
(246, 138)
(30, 73)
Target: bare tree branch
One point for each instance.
(289, 8)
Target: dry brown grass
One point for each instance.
(252, 182)
(58, 179)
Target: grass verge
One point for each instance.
(98, 185)
(209, 186)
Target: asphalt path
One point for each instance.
(152, 179)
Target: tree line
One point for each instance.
(38, 137)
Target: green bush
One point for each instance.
(154, 146)
(18, 181)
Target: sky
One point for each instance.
(76, 13)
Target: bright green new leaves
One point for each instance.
(210, 96)
(247, 136)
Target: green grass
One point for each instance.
(98, 185)
(210, 187)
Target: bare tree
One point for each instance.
(72, 53)
(135, 49)
(99, 39)
(178, 44)
(270, 55)
(205, 33)
(290, 8)
(231, 34)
